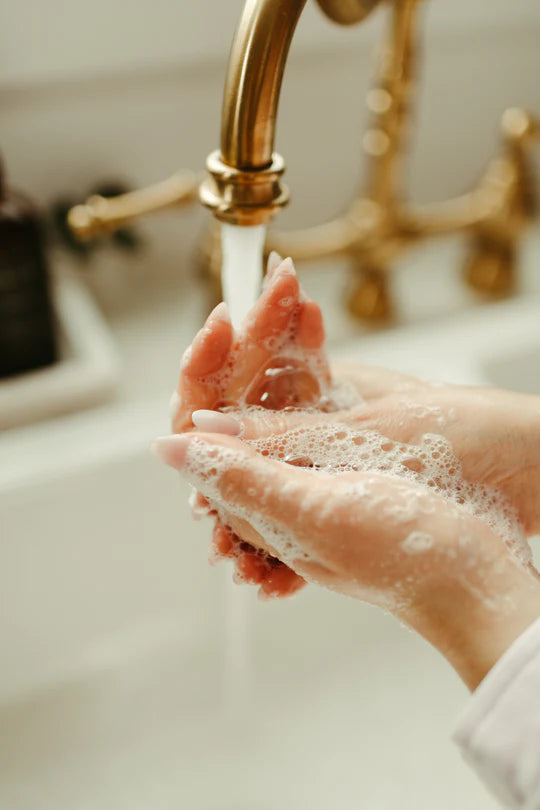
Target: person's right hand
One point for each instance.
(275, 360)
(495, 434)
(397, 544)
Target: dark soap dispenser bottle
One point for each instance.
(27, 327)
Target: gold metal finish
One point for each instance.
(239, 189)
(101, 215)
(348, 12)
(244, 186)
(253, 82)
(244, 181)
(378, 225)
(243, 197)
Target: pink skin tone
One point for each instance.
(470, 612)
(216, 346)
(221, 366)
(469, 599)
(494, 433)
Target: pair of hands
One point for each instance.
(466, 593)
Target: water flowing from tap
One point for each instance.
(242, 270)
(241, 278)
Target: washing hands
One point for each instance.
(276, 361)
(413, 496)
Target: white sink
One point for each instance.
(116, 688)
(114, 672)
(518, 370)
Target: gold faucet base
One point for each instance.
(242, 197)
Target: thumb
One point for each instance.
(254, 425)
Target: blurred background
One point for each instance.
(132, 674)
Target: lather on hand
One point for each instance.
(470, 599)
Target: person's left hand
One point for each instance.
(276, 361)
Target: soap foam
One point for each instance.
(417, 542)
(336, 449)
(289, 367)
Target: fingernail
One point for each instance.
(172, 450)
(274, 260)
(215, 422)
(221, 313)
(286, 267)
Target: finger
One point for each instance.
(310, 325)
(250, 567)
(274, 260)
(216, 422)
(264, 424)
(273, 311)
(211, 346)
(227, 545)
(267, 423)
(195, 394)
(276, 579)
(279, 582)
(200, 506)
(223, 545)
(227, 470)
(272, 423)
(334, 522)
(271, 493)
(207, 355)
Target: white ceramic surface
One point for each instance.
(116, 687)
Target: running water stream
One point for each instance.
(241, 271)
(241, 277)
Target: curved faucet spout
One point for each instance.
(244, 186)
(252, 87)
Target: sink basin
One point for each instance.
(519, 370)
(119, 692)
(130, 675)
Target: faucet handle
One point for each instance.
(101, 215)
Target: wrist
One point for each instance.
(474, 630)
(519, 423)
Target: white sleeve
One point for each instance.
(499, 732)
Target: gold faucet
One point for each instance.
(244, 183)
